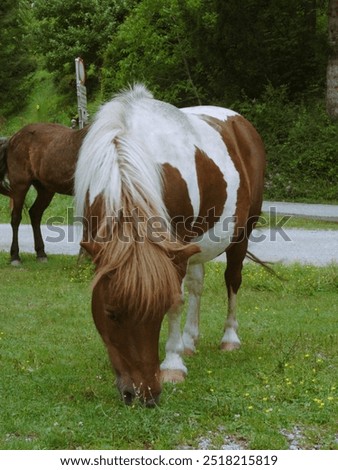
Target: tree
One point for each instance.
(215, 50)
(16, 63)
(332, 68)
(154, 45)
(66, 29)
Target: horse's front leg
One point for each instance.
(194, 283)
(173, 368)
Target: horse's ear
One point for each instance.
(92, 248)
(182, 255)
(189, 250)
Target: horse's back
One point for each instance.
(33, 141)
(213, 162)
(238, 134)
(44, 152)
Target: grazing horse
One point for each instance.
(163, 191)
(43, 155)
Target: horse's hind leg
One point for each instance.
(18, 199)
(233, 279)
(42, 201)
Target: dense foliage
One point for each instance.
(16, 65)
(211, 50)
(187, 52)
(66, 29)
(301, 144)
(265, 59)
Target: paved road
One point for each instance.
(317, 247)
(312, 211)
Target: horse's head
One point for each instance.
(128, 306)
(132, 344)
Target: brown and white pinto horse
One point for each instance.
(164, 190)
(42, 155)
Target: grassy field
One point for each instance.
(57, 387)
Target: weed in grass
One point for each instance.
(83, 271)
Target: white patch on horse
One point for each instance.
(214, 111)
(169, 135)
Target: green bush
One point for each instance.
(301, 144)
(17, 63)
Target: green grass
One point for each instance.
(57, 385)
(44, 105)
(294, 221)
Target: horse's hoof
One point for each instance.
(230, 346)
(188, 352)
(42, 259)
(172, 376)
(16, 262)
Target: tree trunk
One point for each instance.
(332, 67)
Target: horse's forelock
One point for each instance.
(140, 260)
(144, 278)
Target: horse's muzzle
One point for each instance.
(132, 395)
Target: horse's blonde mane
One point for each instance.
(110, 158)
(144, 276)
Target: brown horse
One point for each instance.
(42, 155)
(163, 191)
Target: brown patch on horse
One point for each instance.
(213, 192)
(247, 152)
(177, 201)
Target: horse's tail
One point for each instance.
(4, 187)
(264, 264)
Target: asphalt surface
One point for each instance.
(316, 247)
(311, 211)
